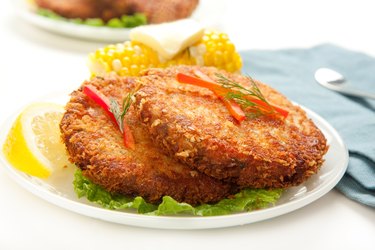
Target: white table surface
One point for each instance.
(34, 63)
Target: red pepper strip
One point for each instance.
(281, 111)
(219, 90)
(202, 75)
(99, 99)
(128, 136)
(233, 108)
(104, 103)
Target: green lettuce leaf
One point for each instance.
(244, 201)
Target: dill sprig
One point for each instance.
(118, 113)
(251, 99)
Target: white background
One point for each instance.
(34, 63)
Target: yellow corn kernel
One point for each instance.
(130, 58)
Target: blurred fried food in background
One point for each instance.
(156, 11)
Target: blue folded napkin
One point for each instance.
(291, 71)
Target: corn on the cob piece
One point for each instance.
(129, 58)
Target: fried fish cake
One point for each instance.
(95, 145)
(192, 125)
(72, 8)
(156, 11)
(159, 11)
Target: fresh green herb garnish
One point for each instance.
(134, 20)
(120, 113)
(97, 22)
(126, 103)
(251, 99)
(115, 23)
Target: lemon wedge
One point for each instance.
(33, 144)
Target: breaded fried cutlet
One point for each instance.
(72, 8)
(159, 11)
(96, 145)
(156, 11)
(192, 125)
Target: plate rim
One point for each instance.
(103, 33)
(178, 222)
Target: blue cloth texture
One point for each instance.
(291, 71)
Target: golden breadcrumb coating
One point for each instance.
(95, 144)
(193, 126)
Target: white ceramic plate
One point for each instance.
(204, 13)
(58, 189)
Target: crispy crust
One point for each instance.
(192, 125)
(160, 11)
(96, 146)
(71, 8)
(157, 11)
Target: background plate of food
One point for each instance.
(111, 21)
